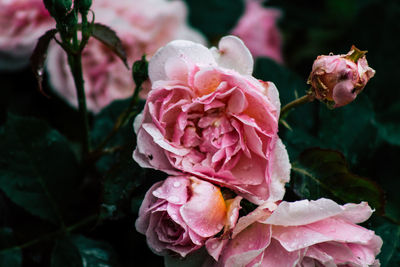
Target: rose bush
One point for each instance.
(143, 26)
(22, 23)
(180, 213)
(206, 115)
(340, 78)
(302, 233)
(259, 31)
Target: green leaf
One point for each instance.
(388, 124)
(324, 173)
(110, 39)
(38, 170)
(390, 252)
(95, 253)
(120, 174)
(78, 251)
(9, 255)
(349, 129)
(197, 258)
(215, 18)
(66, 254)
(39, 56)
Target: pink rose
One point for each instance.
(180, 213)
(143, 26)
(302, 233)
(340, 78)
(22, 22)
(206, 115)
(258, 30)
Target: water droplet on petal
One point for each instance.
(214, 246)
(177, 184)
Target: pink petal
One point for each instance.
(303, 212)
(189, 51)
(174, 190)
(233, 54)
(205, 212)
(275, 255)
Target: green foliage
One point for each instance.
(390, 252)
(110, 39)
(39, 56)
(215, 18)
(79, 251)
(39, 170)
(9, 255)
(324, 173)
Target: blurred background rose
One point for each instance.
(22, 22)
(143, 26)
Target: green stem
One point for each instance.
(75, 63)
(309, 97)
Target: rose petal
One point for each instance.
(184, 50)
(233, 54)
(205, 212)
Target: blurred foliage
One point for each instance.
(85, 216)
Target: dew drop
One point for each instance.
(177, 184)
(214, 246)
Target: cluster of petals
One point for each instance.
(338, 78)
(143, 26)
(299, 234)
(22, 23)
(209, 124)
(207, 116)
(259, 31)
(180, 213)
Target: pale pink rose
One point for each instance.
(143, 26)
(206, 115)
(338, 78)
(22, 22)
(259, 31)
(302, 233)
(180, 214)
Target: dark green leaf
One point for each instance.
(9, 255)
(349, 129)
(324, 173)
(66, 254)
(390, 252)
(95, 253)
(39, 55)
(388, 124)
(197, 258)
(110, 39)
(215, 18)
(38, 170)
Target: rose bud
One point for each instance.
(338, 79)
(180, 213)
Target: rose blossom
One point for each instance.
(302, 233)
(143, 26)
(258, 30)
(22, 22)
(180, 213)
(340, 78)
(206, 115)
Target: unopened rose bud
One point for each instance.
(338, 79)
(84, 5)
